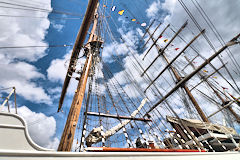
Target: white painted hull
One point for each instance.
(16, 144)
(46, 155)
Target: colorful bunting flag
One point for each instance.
(133, 20)
(121, 12)
(104, 6)
(160, 37)
(215, 77)
(144, 24)
(205, 71)
(176, 49)
(224, 88)
(113, 8)
(165, 40)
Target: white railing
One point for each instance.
(6, 101)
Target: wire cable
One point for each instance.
(17, 16)
(50, 46)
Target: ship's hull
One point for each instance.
(48, 155)
(16, 144)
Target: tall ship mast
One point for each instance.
(164, 99)
(98, 135)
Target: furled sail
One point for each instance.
(96, 136)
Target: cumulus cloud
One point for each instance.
(15, 67)
(173, 13)
(177, 16)
(58, 27)
(153, 9)
(42, 128)
(24, 32)
(58, 69)
(108, 51)
(22, 75)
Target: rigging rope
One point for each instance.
(25, 7)
(22, 16)
(47, 46)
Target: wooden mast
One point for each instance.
(217, 93)
(198, 108)
(92, 4)
(174, 59)
(232, 42)
(161, 51)
(73, 116)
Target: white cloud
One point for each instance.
(228, 12)
(153, 9)
(223, 22)
(58, 27)
(177, 16)
(169, 5)
(108, 50)
(54, 90)
(15, 69)
(53, 144)
(41, 128)
(58, 69)
(24, 32)
(22, 75)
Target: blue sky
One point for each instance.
(39, 73)
(58, 32)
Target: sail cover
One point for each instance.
(203, 125)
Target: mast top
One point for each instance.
(92, 5)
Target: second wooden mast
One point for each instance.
(73, 116)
